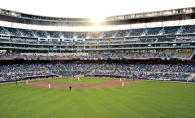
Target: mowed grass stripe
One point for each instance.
(103, 106)
(91, 106)
(165, 102)
(133, 106)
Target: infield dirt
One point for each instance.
(110, 83)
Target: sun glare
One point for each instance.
(97, 19)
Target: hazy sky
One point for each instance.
(91, 8)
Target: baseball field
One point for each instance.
(88, 99)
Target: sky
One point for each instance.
(91, 8)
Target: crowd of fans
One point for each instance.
(31, 41)
(166, 54)
(95, 34)
(14, 31)
(112, 55)
(100, 43)
(81, 34)
(120, 33)
(67, 34)
(171, 30)
(183, 40)
(136, 32)
(177, 76)
(2, 31)
(109, 34)
(10, 72)
(48, 46)
(188, 29)
(153, 31)
(21, 76)
(41, 33)
(26, 33)
(54, 34)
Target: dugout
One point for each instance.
(39, 76)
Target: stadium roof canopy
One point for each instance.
(80, 15)
(91, 8)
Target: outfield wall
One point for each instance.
(79, 75)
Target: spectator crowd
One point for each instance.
(87, 56)
(137, 70)
(99, 34)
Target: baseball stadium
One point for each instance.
(136, 65)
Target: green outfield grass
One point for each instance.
(151, 99)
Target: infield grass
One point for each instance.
(147, 99)
(75, 81)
